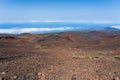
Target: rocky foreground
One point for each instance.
(65, 56)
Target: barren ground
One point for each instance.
(65, 56)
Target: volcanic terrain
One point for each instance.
(93, 55)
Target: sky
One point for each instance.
(60, 10)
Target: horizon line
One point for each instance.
(52, 21)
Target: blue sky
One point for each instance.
(60, 10)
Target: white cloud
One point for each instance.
(118, 27)
(33, 30)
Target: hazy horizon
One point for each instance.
(53, 27)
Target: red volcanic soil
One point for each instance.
(65, 56)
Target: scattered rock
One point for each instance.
(3, 73)
(41, 76)
(14, 77)
(74, 77)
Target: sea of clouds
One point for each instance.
(34, 30)
(117, 27)
(46, 29)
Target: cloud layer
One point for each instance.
(34, 30)
(117, 27)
